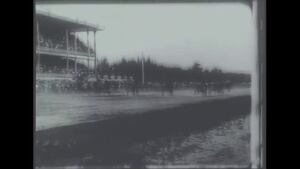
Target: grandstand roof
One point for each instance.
(52, 21)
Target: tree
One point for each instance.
(155, 72)
(197, 72)
(103, 66)
(197, 67)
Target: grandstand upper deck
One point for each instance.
(57, 37)
(55, 22)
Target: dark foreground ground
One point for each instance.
(126, 140)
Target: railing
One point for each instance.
(62, 52)
(53, 76)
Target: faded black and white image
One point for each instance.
(141, 85)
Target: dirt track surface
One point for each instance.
(56, 110)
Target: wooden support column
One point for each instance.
(95, 49)
(38, 48)
(89, 54)
(75, 46)
(67, 42)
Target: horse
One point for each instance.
(107, 87)
(133, 87)
(201, 88)
(169, 87)
(217, 88)
(228, 86)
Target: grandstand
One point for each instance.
(60, 53)
(66, 60)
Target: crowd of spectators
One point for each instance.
(60, 43)
(55, 85)
(55, 69)
(81, 80)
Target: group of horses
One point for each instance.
(132, 87)
(211, 88)
(203, 88)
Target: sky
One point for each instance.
(215, 35)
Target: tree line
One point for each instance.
(155, 72)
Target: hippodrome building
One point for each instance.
(59, 50)
(64, 48)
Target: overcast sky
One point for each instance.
(215, 35)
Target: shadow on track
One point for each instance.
(110, 142)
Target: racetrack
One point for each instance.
(56, 110)
(214, 131)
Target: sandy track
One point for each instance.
(56, 110)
